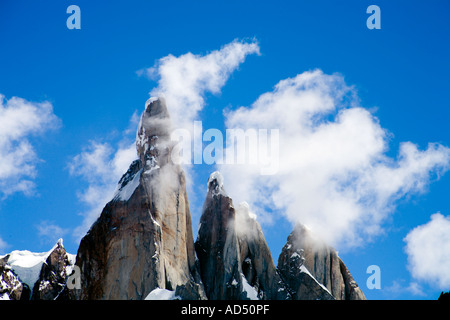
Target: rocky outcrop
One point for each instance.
(11, 288)
(235, 261)
(313, 270)
(54, 273)
(46, 273)
(143, 238)
(141, 246)
(256, 259)
(217, 245)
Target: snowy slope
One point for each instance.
(161, 294)
(27, 265)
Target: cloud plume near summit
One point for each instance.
(334, 172)
(184, 80)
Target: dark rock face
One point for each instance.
(11, 288)
(256, 260)
(217, 246)
(143, 238)
(235, 261)
(53, 275)
(313, 270)
(143, 241)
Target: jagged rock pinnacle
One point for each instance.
(153, 134)
(215, 184)
(143, 239)
(234, 258)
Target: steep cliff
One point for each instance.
(143, 238)
(235, 260)
(313, 270)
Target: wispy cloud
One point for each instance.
(428, 248)
(49, 232)
(184, 80)
(334, 174)
(19, 120)
(399, 287)
(100, 165)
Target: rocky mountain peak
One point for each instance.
(215, 184)
(141, 246)
(153, 134)
(143, 239)
(313, 270)
(234, 258)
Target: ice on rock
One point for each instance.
(126, 188)
(215, 184)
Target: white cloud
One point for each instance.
(428, 248)
(19, 120)
(101, 166)
(184, 80)
(334, 174)
(399, 287)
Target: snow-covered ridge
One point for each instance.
(27, 265)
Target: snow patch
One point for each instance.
(72, 258)
(295, 255)
(43, 285)
(125, 192)
(162, 294)
(252, 294)
(155, 222)
(150, 100)
(27, 265)
(4, 296)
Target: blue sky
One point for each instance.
(91, 79)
